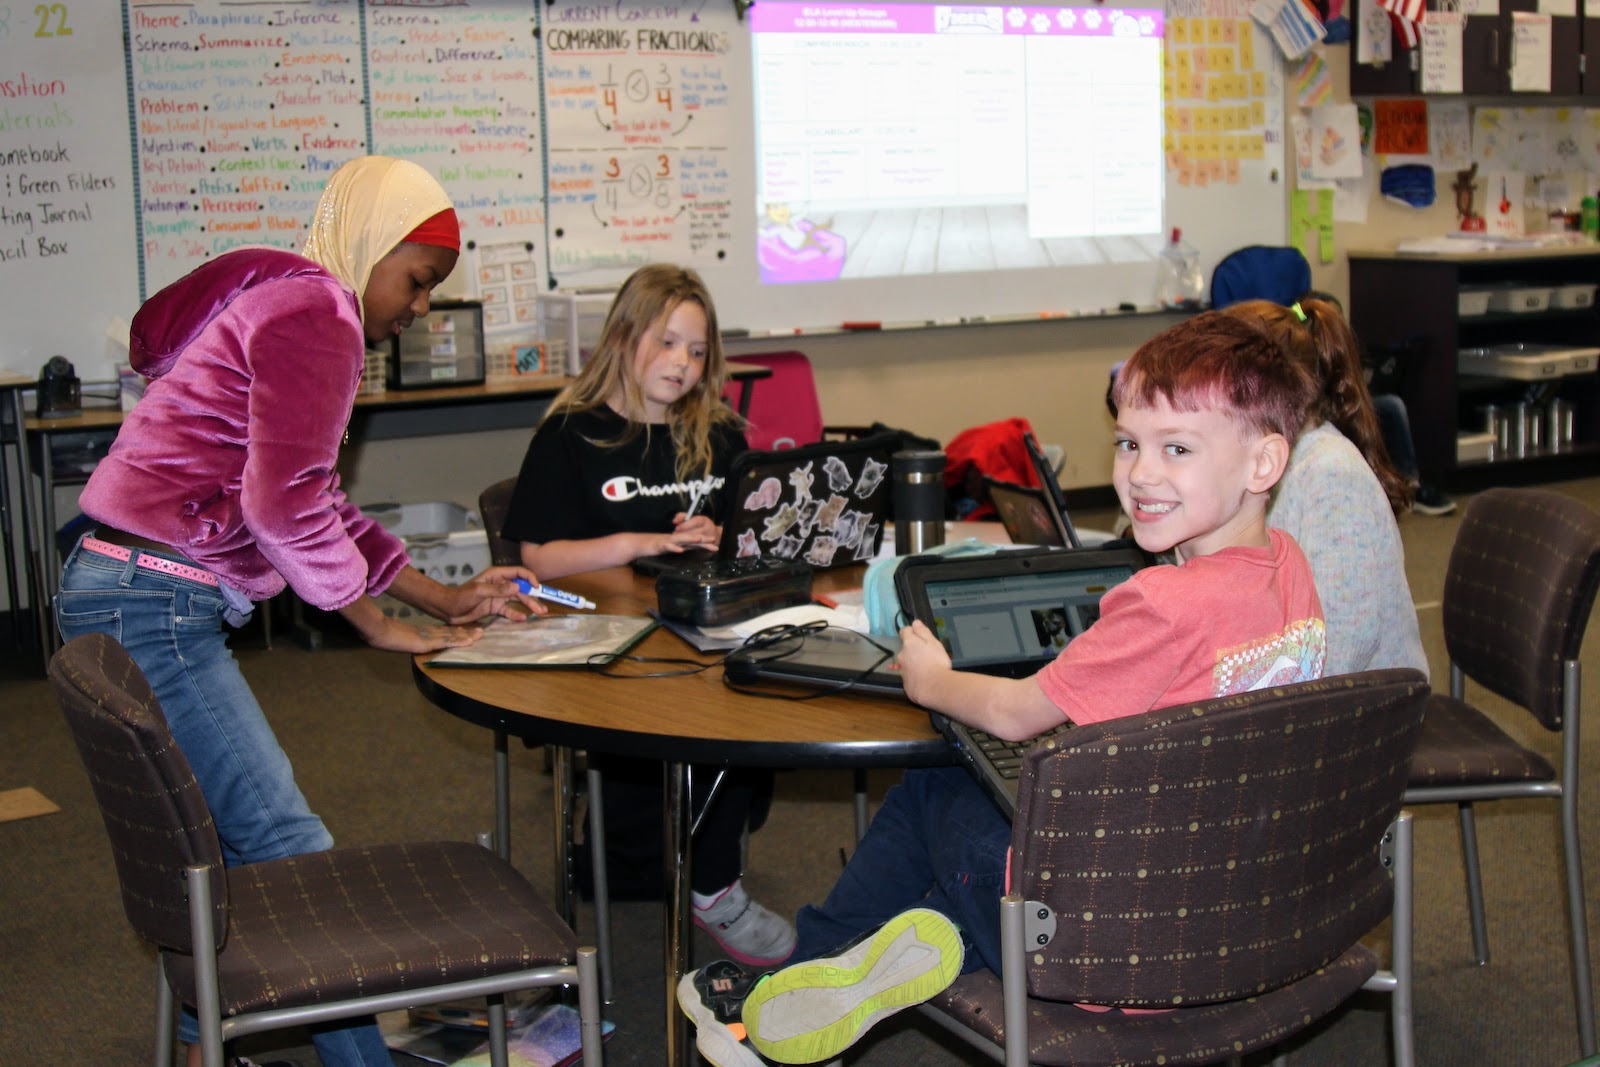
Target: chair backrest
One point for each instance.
(784, 409)
(153, 809)
(493, 504)
(1213, 851)
(1518, 592)
(1260, 272)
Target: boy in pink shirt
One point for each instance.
(1208, 412)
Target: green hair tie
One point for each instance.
(1295, 307)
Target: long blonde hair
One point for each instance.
(644, 303)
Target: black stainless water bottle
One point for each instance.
(918, 501)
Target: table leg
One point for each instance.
(502, 797)
(49, 565)
(31, 577)
(566, 873)
(676, 883)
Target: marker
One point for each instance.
(557, 596)
(861, 326)
(736, 332)
(694, 506)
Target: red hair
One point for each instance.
(1219, 362)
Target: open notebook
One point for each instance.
(1007, 614)
(823, 504)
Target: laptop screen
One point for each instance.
(1015, 619)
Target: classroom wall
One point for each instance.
(936, 382)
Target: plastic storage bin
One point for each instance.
(446, 542)
(1572, 296)
(1473, 300)
(1519, 299)
(1526, 362)
(569, 326)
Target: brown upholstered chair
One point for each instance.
(307, 939)
(1222, 860)
(494, 503)
(1519, 589)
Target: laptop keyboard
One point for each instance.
(1006, 756)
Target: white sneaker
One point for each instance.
(748, 932)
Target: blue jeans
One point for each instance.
(172, 627)
(938, 842)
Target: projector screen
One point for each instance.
(898, 140)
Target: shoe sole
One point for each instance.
(820, 1008)
(717, 1043)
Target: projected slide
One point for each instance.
(903, 139)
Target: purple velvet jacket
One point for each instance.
(229, 457)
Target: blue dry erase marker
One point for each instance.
(558, 596)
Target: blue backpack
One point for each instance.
(1260, 272)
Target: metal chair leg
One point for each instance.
(589, 1005)
(1577, 914)
(1401, 934)
(166, 1020)
(1469, 860)
(862, 815)
(502, 797)
(602, 884)
(497, 1031)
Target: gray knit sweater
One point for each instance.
(1330, 501)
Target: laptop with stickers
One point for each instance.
(824, 504)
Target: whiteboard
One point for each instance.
(68, 263)
(578, 140)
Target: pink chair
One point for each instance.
(784, 411)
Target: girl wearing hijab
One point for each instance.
(220, 490)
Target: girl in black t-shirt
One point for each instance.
(630, 461)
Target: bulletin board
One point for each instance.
(577, 139)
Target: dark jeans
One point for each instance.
(1394, 423)
(938, 842)
(634, 820)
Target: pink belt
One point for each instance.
(149, 562)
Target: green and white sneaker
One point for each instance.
(812, 1011)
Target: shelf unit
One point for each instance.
(1396, 298)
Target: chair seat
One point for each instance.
(328, 926)
(1064, 1034)
(1460, 745)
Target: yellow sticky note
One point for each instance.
(1213, 31)
(1213, 90)
(1258, 84)
(1184, 65)
(1258, 113)
(1178, 31)
(1222, 59)
(1197, 86)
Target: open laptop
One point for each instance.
(1007, 614)
(824, 504)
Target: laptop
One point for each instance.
(1055, 501)
(824, 504)
(1007, 614)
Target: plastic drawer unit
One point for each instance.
(444, 347)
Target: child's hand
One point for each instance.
(700, 527)
(493, 592)
(394, 636)
(676, 541)
(922, 659)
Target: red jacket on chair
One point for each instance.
(995, 449)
